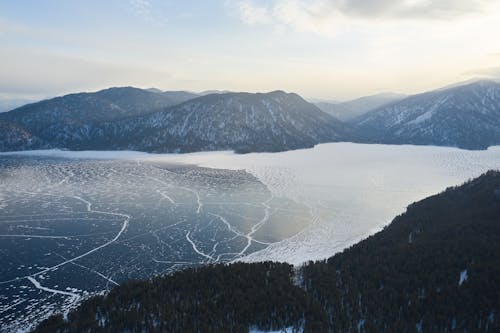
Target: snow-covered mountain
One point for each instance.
(243, 122)
(466, 116)
(237, 121)
(349, 110)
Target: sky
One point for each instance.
(327, 49)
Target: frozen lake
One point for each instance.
(76, 223)
(351, 190)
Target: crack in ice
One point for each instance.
(90, 210)
(209, 257)
(54, 291)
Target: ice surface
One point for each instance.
(70, 228)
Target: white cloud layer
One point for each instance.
(325, 16)
(418, 9)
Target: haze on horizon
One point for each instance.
(330, 49)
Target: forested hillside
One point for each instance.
(218, 298)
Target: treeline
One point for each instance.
(435, 268)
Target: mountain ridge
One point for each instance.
(465, 116)
(273, 121)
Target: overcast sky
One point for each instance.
(331, 49)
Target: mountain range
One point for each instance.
(465, 116)
(130, 118)
(349, 110)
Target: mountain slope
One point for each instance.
(433, 269)
(349, 110)
(466, 116)
(14, 137)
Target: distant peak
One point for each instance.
(155, 90)
(119, 90)
(280, 92)
(478, 82)
(482, 83)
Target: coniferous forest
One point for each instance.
(435, 268)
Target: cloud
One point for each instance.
(144, 9)
(409, 9)
(253, 14)
(305, 16)
(141, 7)
(325, 16)
(313, 16)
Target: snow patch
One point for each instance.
(3, 202)
(429, 113)
(284, 330)
(463, 277)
